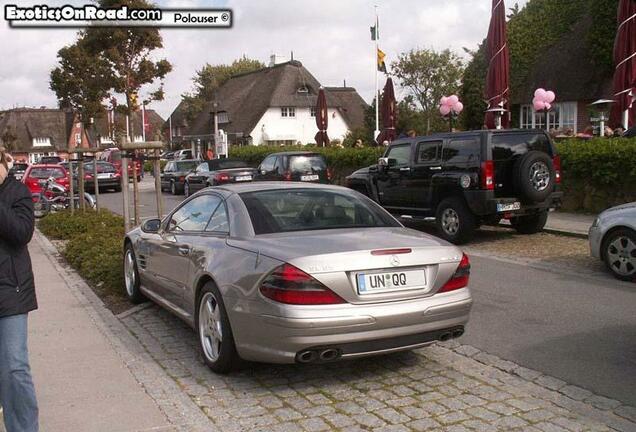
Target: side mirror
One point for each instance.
(151, 226)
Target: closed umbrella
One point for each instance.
(322, 119)
(389, 116)
(625, 61)
(498, 77)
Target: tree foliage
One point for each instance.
(210, 77)
(118, 60)
(601, 37)
(428, 75)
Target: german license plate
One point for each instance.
(509, 207)
(244, 178)
(312, 177)
(370, 283)
(104, 176)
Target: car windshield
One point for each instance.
(307, 163)
(186, 166)
(45, 173)
(19, 167)
(275, 211)
(102, 167)
(115, 156)
(223, 164)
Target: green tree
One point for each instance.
(428, 75)
(81, 81)
(410, 117)
(472, 90)
(210, 77)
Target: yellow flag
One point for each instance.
(381, 64)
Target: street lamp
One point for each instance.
(602, 106)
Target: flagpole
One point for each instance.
(377, 90)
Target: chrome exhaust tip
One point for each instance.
(458, 332)
(445, 336)
(329, 355)
(306, 356)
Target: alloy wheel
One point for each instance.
(130, 277)
(539, 176)
(621, 256)
(450, 221)
(210, 326)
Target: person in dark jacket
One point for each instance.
(17, 299)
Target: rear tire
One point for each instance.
(533, 176)
(455, 221)
(531, 224)
(216, 339)
(619, 254)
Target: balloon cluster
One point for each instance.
(543, 99)
(450, 104)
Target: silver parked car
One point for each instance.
(292, 272)
(613, 240)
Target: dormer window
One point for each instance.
(303, 89)
(41, 142)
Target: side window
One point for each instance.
(168, 167)
(219, 221)
(428, 151)
(401, 153)
(278, 166)
(195, 214)
(268, 164)
(460, 151)
(203, 167)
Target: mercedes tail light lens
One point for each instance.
(221, 177)
(556, 162)
(488, 175)
(290, 285)
(329, 174)
(460, 277)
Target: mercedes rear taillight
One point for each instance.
(221, 177)
(556, 162)
(290, 285)
(488, 175)
(460, 277)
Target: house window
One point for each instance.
(41, 142)
(223, 117)
(313, 111)
(562, 117)
(288, 112)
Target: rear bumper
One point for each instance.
(352, 330)
(483, 203)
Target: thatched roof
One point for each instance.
(568, 69)
(246, 97)
(25, 124)
(101, 127)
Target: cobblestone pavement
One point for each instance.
(445, 388)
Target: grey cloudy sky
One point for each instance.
(330, 37)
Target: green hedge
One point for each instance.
(94, 245)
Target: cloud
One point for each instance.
(330, 37)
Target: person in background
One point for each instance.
(17, 299)
(411, 133)
(359, 144)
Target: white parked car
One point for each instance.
(613, 240)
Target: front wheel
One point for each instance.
(41, 207)
(186, 189)
(455, 221)
(131, 276)
(215, 334)
(531, 224)
(619, 254)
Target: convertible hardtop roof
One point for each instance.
(264, 186)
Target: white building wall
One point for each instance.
(273, 127)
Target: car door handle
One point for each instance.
(435, 168)
(184, 250)
(405, 169)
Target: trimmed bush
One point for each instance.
(94, 246)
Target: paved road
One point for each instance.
(578, 329)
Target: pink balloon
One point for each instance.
(550, 96)
(458, 107)
(444, 110)
(540, 94)
(443, 101)
(547, 105)
(538, 104)
(452, 100)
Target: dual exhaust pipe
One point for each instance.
(451, 334)
(318, 356)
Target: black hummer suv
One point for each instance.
(467, 179)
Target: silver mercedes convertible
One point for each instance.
(293, 272)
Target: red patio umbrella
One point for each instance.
(497, 80)
(625, 61)
(322, 119)
(389, 116)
